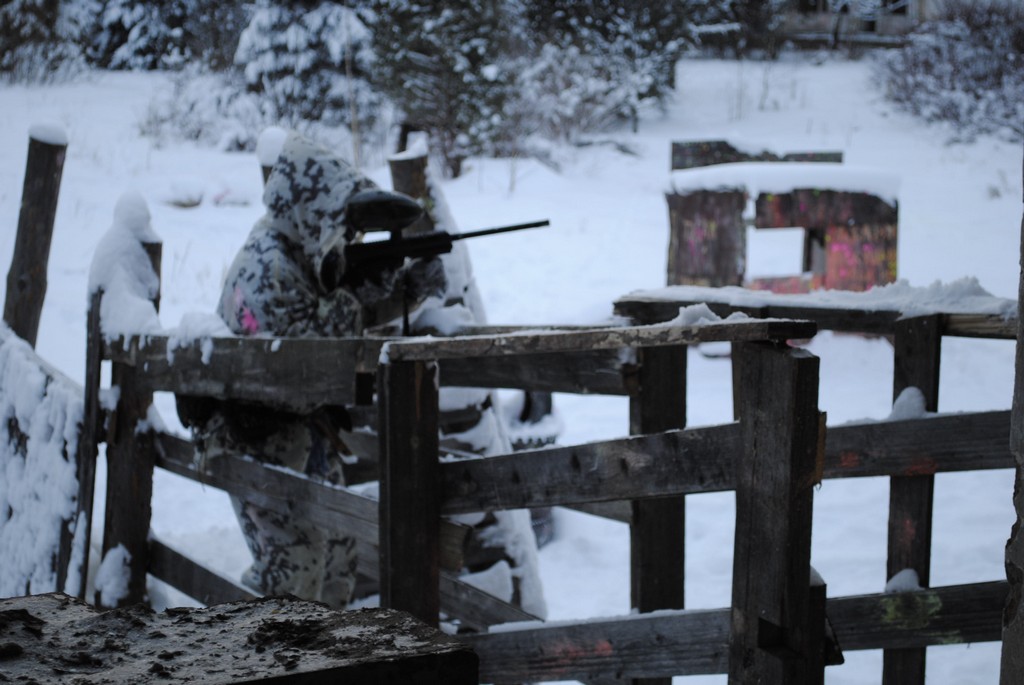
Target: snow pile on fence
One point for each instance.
(42, 412)
(963, 296)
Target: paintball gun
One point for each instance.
(383, 210)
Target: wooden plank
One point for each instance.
(330, 507)
(196, 581)
(959, 614)
(85, 456)
(658, 526)
(597, 372)
(700, 460)
(529, 342)
(286, 373)
(980, 326)
(615, 511)
(644, 309)
(707, 237)
(410, 489)
(916, 358)
(670, 463)
(475, 608)
(695, 642)
(651, 646)
(775, 478)
(26, 279)
(940, 444)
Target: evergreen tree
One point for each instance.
(137, 35)
(310, 62)
(442, 62)
(39, 39)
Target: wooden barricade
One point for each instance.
(850, 238)
(906, 451)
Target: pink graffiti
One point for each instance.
(245, 316)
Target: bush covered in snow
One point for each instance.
(965, 68)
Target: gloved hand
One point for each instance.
(425, 278)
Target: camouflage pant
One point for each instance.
(290, 555)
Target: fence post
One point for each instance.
(410, 489)
(130, 461)
(658, 528)
(774, 627)
(26, 281)
(1012, 664)
(918, 344)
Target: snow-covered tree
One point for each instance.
(966, 68)
(443, 63)
(39, 39)
(140, 35)
(310, 62)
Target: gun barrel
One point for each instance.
(499, 229)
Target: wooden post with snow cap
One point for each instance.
(26, 280)
(917, 343)
(130, 454)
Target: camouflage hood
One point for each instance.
(306, 195)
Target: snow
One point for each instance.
(909, 405)
(268, 145)
(51, 134)
(38, 482)
(963, 296)
(960, 214)
(903, 581)
(767, 177)
(113, 576)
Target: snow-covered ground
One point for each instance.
(960, 216)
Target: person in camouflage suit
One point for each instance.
(278, 286)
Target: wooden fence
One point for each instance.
(910, 452)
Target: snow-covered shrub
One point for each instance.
(965, 68)
(39, 39)
(215, 109)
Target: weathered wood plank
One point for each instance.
(329, 507)
(695, 642)
(195, 580)
(410, 489)
(26, 279)
(475, 608)
(917, 352)
(959, 614)
(683, 643)
(941, 444)
(776, 472)
(530, 342)
(298, 374)
(658, 526)
(85, 457)
(979, 326)
(644, 309)
(700, 460)
(597, 372)
(670, 463)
